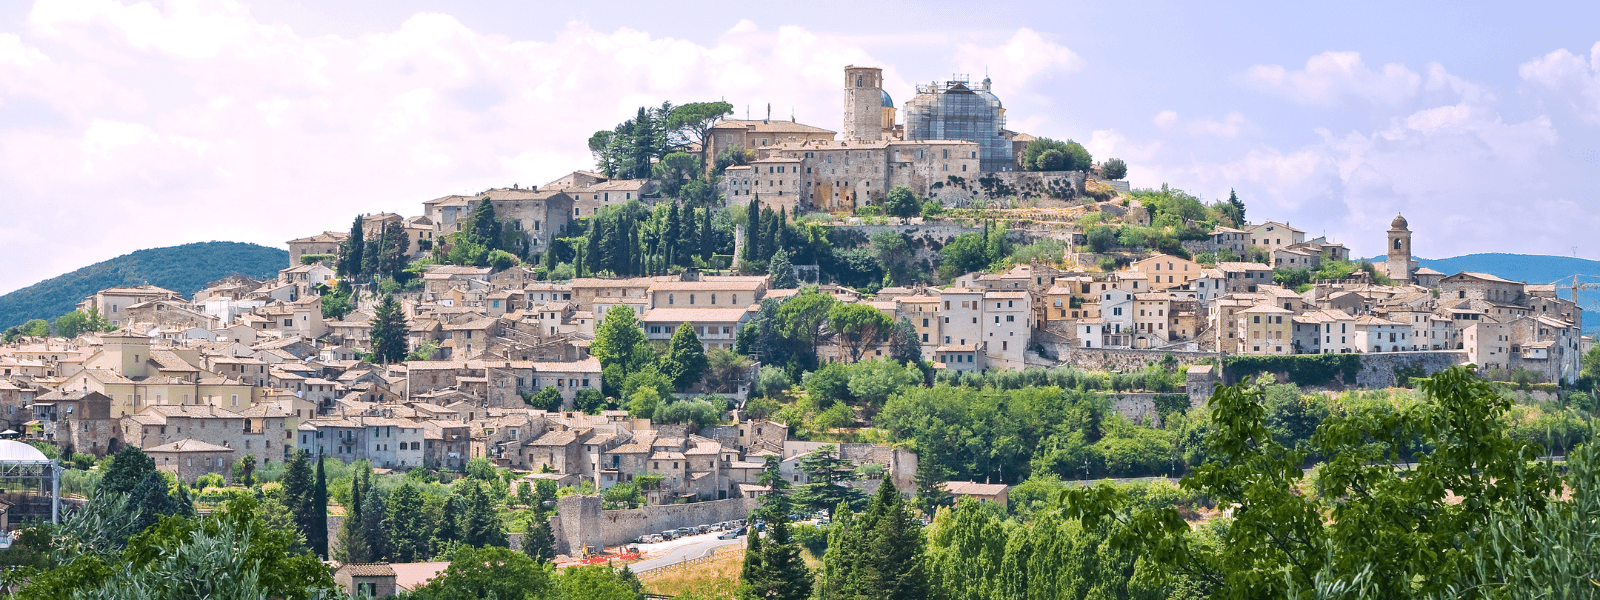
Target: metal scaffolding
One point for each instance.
(30, 483)
(954, 110)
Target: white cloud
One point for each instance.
(179, 121)
(1332, 78)
(1227, 128)
(1570, 78)
(1165, 118)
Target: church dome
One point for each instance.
(887, 101)
(1399, 222)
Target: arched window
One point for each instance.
(858, 81)
(1397, 243)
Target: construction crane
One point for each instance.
(1577, 285)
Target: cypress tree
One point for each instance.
(752, 228)
(708, 237)
(930, 496)
(127, 470)
(769, 237)
(782, 573)
(349, 263)
(449, 525)
(317, 521)
(670, 237)
(689, 242)
(481, 524)
(750, 573)
(352, 544)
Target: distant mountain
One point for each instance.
(185, 269)
(1530, 268)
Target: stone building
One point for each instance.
(1400, 266)
(190, 459)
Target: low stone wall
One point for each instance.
(581, 523)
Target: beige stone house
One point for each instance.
(190, 459)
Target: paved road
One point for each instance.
(693, 548)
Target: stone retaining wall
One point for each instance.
(581, 523)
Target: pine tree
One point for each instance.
(127, 470)
(389, 332)
(350, 258)
(539, 543)
(449, 526)
(408, 528)
(317, 520)
(484, 225)
(839, 561)
(782, 272)
(374, 526)
(750, 573)
(903, 343)
(481, 524)
(686, 360)
(931, 494)
(891, 566)
(780, 573)
(1238, 206)
(752, 229)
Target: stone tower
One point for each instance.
(1400, 266)
(863, 103)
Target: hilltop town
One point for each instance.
(675, 314)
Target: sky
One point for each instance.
(129, 125)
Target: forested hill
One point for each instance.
(185, 269)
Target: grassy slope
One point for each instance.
(185, 269)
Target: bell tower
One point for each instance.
(1400, 266)
(863, 102)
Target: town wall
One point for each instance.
(581, 523)
(1378, 369)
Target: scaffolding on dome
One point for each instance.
(30, 486)
(955, 110)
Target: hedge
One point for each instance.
(1302, 369)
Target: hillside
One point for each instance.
(184, 269)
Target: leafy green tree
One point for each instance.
(1101, 238)
(407, 524)
(604, 154)
(153, 498)
(859, 326)
(335, 304)
(38, 328)
(826, 473)
(233, 553)
(692, 123)
(1114, 169)
(782, 271)
(389, 332)
(244, 470)
(620, 345)
(803, 320)
(1390, 526)
(489, 572)
(895, 254)
(776, 502)
(78, 322)
(1045, 154)
(598, 582)
(127, 470)
(448, 525)
(547, 399)
(686, 360)
(902, 202)
(1237, 214)
(696, 412)
(589, 400)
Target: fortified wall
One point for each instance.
(580, 523)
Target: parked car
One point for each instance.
(683, 531)
(702, 529)
(730, 534)
(669, 534)
(656, 538)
